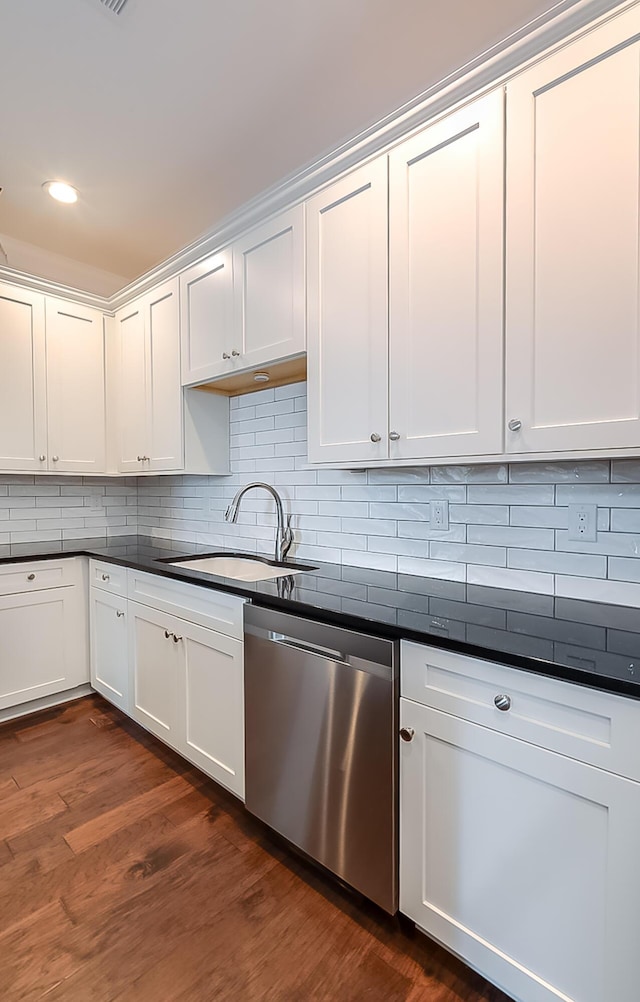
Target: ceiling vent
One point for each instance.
(114, 5)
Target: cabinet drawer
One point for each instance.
(36, 575)
(595, 727)
(204, 606)
(109, 577)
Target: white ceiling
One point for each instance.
(172, 114)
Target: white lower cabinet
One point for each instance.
(42, 630)
(520, 860)
(188, 690)
(155, 667)
(211, 704)
(170, 656)
(109, 658)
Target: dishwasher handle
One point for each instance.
(300, 645)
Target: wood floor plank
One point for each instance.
(97, 829)
(137, 879)
(24, 809)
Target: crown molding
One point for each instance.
(24, 280)
(491, 68)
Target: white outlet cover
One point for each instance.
(583, 523)
(439, 515)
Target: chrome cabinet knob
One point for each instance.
(394, 436)
(406, 733)
(235, 354)
(375, 437)
(503, 702)
(119, 613)
(225, 355)
(143, 459)
(167, 634)
(515, 424)
(31, 577)
(55, 459)
(140, 458)
(42, 457)
(105, 577)
(176, 640)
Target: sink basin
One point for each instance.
(241, 568)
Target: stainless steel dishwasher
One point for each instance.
(321, 738)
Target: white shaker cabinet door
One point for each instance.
(212, 704)
(573, 275)
(162, 317)
(269, 294)
(75, 388)
(133, 389)
(206, 304)
(155, 666)
(446, 286)
(109, 647)
(23, 410)
(42, 646)
(521, 861)
(347, 341)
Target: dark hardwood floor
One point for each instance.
(125, 874)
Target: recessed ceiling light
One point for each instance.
(61, 191)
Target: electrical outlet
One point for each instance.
(583, 526)
(439, 515)
(95, 502)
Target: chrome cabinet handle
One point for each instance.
(225, 354)
(235, 354)
(406, 733)
(515, 424)
(42, 457)
(176, 640)
(31, 577)
(375, 437)
(105, 577)
(167, 634)
(55, 459)
(503, 702)
(394, 436)
(119, 613)
(143, 459)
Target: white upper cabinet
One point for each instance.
(164, 389)
(132, 413)
(573, 327)
(52, 389)
(206, 294)
(162, 427)
(268, 274)
(76, 388)
(150, 395)
(347, 239)
(446, 286)
(23, 413)
(244, 306)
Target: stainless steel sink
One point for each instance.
(241, 568)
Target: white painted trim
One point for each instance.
(22, 280)
(26, 709)
(493, 66)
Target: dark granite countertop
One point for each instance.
(586, 642)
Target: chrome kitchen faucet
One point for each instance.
(284, 532)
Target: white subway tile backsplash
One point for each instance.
(507, 528)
